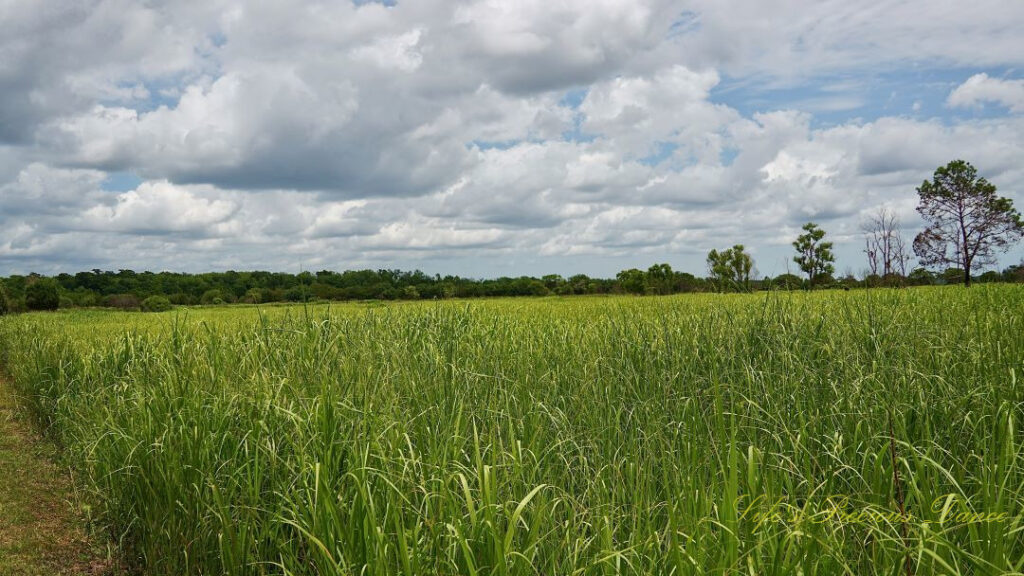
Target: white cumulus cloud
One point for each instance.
(982, 88)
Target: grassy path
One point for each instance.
(40, 531)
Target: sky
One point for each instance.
(488, 137)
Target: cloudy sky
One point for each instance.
(487, 137)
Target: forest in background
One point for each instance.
(128, 289)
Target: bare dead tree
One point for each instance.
(884, 244)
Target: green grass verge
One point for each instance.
(42, 529)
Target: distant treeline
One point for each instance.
(134, 290)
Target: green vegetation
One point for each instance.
(731, 268)
(156, 304)
(5, 306)
(826, 432)
(42, 295)
(126, 289)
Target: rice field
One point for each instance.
(862, 432)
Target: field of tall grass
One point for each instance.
(863, 432)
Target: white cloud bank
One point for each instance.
(480, 137)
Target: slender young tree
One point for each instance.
(813, 254)
(968, 224)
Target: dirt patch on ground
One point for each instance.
(42, 529)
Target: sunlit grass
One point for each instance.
(677, 435)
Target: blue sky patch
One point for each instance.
(121, 182)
